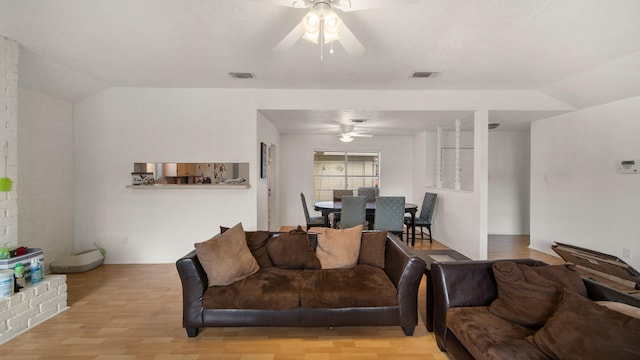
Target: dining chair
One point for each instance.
(426, 214)
(311, 220)
(353, 213)
(337, 196)
(389, 214)
(368, 192)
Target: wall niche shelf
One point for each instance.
(213, 175)
(188, 186)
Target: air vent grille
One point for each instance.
(424, 74)
(242, 75)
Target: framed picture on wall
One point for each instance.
(263, 160)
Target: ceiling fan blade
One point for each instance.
(361, 135)
(368, 4)
(350, 42)
(287, 3)
(292, 37)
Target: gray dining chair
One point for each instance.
(390, 214)
(338, 194)
(368, 192)
(311, 220)
(426, 214)
(353, 213)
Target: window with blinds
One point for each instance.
(343, 170)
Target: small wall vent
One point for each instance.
(242, 75)
(424, 74)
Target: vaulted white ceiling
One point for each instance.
(76, 48)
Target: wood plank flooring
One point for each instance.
(133, 312)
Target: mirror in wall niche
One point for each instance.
(171, 173)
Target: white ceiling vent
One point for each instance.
(424, 74)
(242, 75)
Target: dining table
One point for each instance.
(330, 207)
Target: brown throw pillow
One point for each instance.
(257, 242)
(528, 295)
(226, 257)
(292, 251)
(582, 329)
(565, 276)
(339, 248)
(372, 248)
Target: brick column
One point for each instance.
(32, 305)
(9, 50)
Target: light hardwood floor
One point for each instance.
(134, 312)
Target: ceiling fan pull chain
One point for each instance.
(321, 38)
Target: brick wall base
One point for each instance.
(32, 305)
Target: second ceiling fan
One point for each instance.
(347, 133)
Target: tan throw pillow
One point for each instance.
(226, 257)
(372, 248)
(292, 251)
(339, 248)
(582, 329)
(528, 295)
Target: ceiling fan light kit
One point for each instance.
(346, 138)
(322, 25)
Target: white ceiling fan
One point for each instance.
(347, 133)
(321, 25)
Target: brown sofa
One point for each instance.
(367, 294)
(467, 327)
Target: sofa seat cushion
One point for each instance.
(487, 336)
(270, 288)
(360, 286)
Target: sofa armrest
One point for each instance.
(194, 283)
(463, 283)
(405, 270)
(601, 292)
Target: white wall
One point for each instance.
(121, 126)
(576, 195)
(509, 165)
(296, 160)
(460, 217)
(268, 134)
(46, 174)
